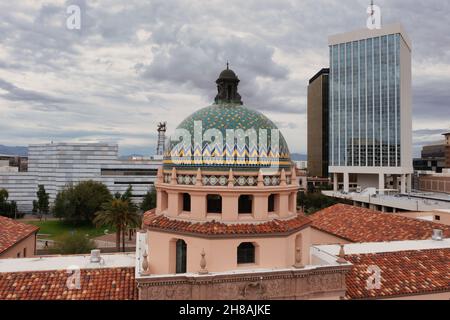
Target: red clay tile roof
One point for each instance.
(357, 224)
(214, 228)
(402, 273)
(12, 232)
(96, 284)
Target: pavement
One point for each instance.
(109, 240)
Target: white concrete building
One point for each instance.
(4, 167)
(58, 164)
(301, 165)
(370, 107)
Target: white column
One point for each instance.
(381, 183)
(403, 184)
(335, 182)
(409, 184)
(346, 182)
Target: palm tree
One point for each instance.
(119, 213)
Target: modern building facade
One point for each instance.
(13, 163)
(21, 187)
(434, 157)
(318, 124)
(55, 165)
(370, 107)
(437, 182)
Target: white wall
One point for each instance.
(21, 187)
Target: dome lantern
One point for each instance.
(227, 135)
(227, 88)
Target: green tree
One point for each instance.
(149, 201)
(128, 194)
(78, 204)
(120, 214)
(13, 206)
(313, 202)
(35, 207)
(42, 204)
(8, 208)
(73, 243)
(3, 196)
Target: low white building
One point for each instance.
(57, 164)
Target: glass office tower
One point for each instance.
(370, 105)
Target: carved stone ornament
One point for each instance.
(203, 263)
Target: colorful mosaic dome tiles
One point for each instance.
(227, 136)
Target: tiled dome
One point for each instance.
(228, 114)
(224, 117)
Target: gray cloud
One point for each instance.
(135, 63)
(427, 132)
(432, 99)
(41, 101)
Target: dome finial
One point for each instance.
(228, 65)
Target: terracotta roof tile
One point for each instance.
(96, 284)
(357, 224)
(214, 228)
(12, 232)
(402, 273)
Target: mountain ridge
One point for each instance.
(14, 150)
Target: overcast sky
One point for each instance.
(135, 63)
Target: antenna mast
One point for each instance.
(160, 148)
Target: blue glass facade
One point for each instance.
(365, 102)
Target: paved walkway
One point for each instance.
(109, 240)
(30, 217)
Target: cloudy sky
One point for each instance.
(134, 63)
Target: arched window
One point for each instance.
(271, 204)
(245, 205)
(214, 203)
(246, 253)
(229, 93)
(186, 202)
(181, 252)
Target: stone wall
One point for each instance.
(295, 284)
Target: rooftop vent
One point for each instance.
(95, 256)
(438, 235)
